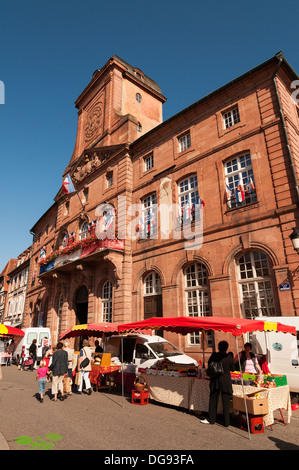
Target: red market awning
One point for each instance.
(185, 325)
(91, 329)
(6, 330)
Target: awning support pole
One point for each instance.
(122, 371)
(247, 418)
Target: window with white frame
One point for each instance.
(184, 142)
(107, 302)
(188, 197)
(239, 181)
(197, 295)
(83, 231)
(149, 216)
(152, 284)
(255, 285)
(231, 117)
(148, 162)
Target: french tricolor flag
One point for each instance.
(240, 193)
(67, 185)
(229, 193)
(251, 185)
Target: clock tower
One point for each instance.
(118, 106)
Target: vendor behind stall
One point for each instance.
(248, 361)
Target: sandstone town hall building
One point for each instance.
(233, 155)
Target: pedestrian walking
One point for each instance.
(41, 376)
(221, 384)
(33, 353)
(58, 367)
(10, 351)
(85, 367)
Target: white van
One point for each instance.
(145, 350)
(281, 350)
(43, 337)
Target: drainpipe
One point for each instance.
(280, 58)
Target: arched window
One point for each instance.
(197, 295)
(255, 285)
(152, 295)
(152, 284)
(107, 302)
(83, 231)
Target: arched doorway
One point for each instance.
(81, 309)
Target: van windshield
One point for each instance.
(164, 349)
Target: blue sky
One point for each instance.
(49, 50)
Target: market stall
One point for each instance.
(10, 331)
(7, 332)
(191, 392)
(102, 367)
(90, 330)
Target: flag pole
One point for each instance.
(243, 389)
(80, 200)
(69, 190)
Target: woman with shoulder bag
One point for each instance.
(85, 367)
(221, 384)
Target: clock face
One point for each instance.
(93, 121)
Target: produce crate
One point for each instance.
(256, 423)
(255, 406)
(235, 375)
(280, 380)
(249, 376)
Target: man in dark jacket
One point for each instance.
(59, 369)
(221, 384)
(33, 353)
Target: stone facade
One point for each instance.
(232, 158)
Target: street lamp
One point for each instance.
(295, 239)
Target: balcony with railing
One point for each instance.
(89, 247)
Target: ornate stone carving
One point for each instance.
(93, 122)
(89, 162)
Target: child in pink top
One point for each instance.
(41, 376)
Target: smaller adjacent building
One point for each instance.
(4, 286)
(16, 282)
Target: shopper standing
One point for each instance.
(221, 384)
(33, 353)
(85, 352)
(59, 368)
